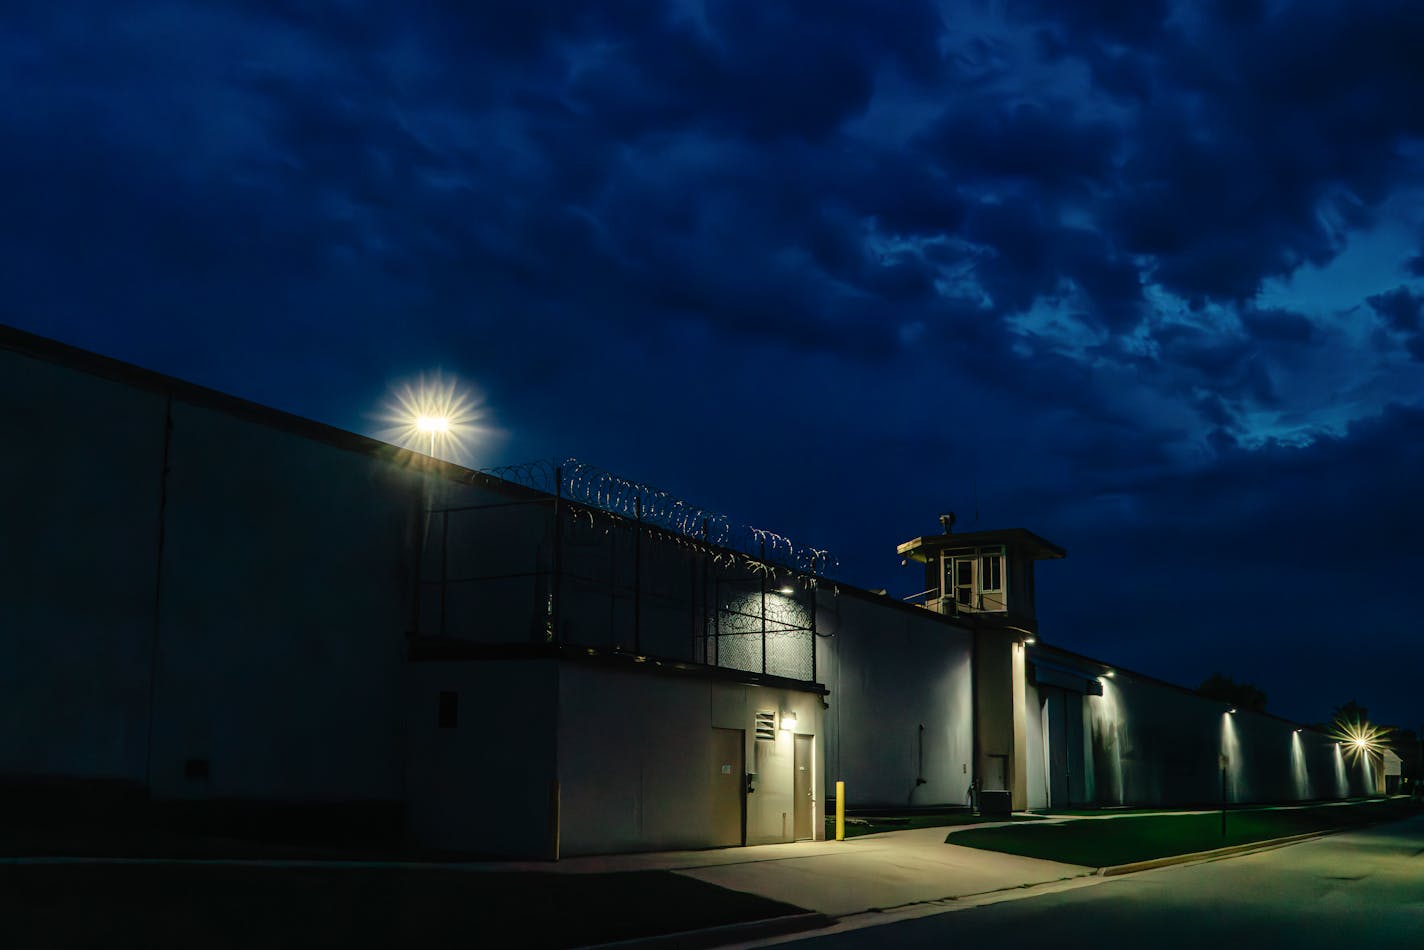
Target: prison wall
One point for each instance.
(899, 722)
(200, 599)
(1154, 744)
(81, 477)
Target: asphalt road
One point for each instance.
(1363, 888)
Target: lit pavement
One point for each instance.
(880, 871)
(1354, 888)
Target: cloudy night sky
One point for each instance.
(1142, 277)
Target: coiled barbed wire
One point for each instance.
(585, 484)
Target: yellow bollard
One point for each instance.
(840, 811)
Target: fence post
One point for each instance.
(554, 634)
(638, 575)
(762, 572)
(813, 587)
(444, 563)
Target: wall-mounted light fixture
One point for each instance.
(1030, 641)
(1109, 673)
(1297, 731)
(1231, 711)
(788, 722)
(787, 590)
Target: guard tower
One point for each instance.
(985, 580)
(983, 573)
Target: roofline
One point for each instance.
(1143, 677)
(32, 345)
(445, 650)
(1042, 548)
(106, 367)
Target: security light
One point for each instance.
(1360, 739)
(431, 425)
(1029, 641)
(787, 590)
(1232, 710)
(433, 414)
(1109, 673)
(788, 722)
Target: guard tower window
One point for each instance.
(991, 572)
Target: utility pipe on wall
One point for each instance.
(840, 811)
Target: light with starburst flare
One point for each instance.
(1360, 739)
(434, 415)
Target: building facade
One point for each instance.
(219, 607)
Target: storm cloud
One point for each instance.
(1144, 278)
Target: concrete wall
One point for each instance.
(1036, 757)
(1152, 744)
(635, 751)
(266, 636)
(80, 474)
(286, 589)
(484, 783)
(890, 670)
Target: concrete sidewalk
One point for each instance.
(842, 878)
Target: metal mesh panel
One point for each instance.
(789, 642)
(740, 652)
(789, 654)
(509, 572)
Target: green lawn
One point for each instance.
(1105, 842)
(874, 824)
(164, 906)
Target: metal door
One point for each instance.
(803, 789)
(728, 775)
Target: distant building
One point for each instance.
(216, 609)
(1391, 767)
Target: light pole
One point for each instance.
(432, 425)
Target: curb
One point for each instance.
(1248, 847)
(726, 933)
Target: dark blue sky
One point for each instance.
(1143, 277)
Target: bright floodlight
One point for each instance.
(433, 415)
(1360, 738)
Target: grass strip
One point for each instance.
(164, 906)
(871, 825)
(1105, 842)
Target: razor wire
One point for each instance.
(583, 484)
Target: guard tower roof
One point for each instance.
(1021, 539)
